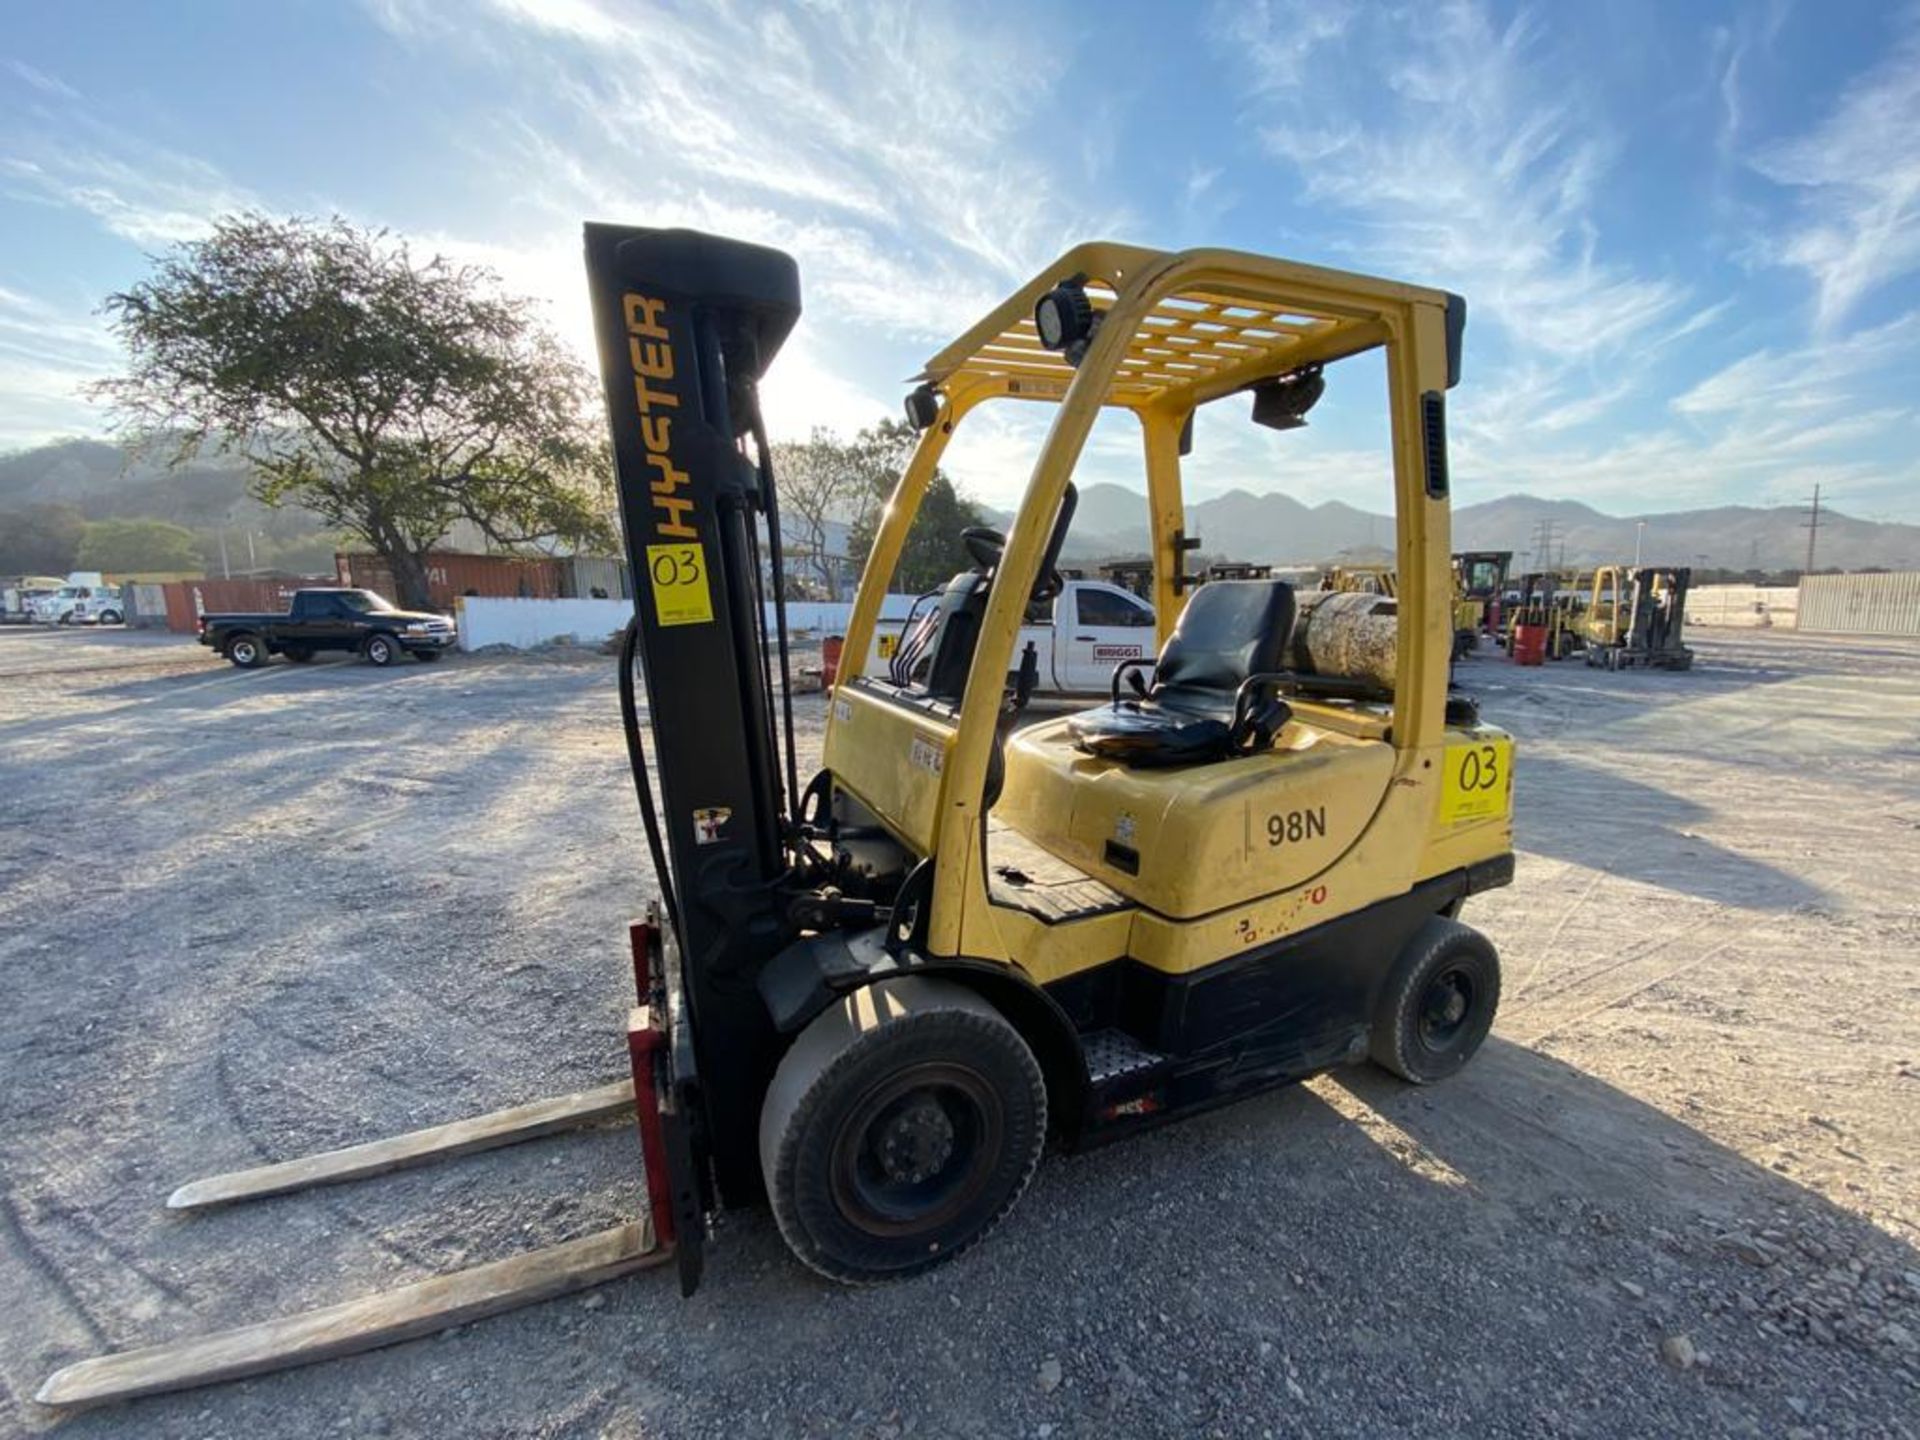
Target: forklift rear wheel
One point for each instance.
(1438, 1002)
(899, 1129)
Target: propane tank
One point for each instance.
(1345, 633)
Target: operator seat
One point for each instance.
(1200, 707)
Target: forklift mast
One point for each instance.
(687, 324)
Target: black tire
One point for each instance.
(110, 617)
(899, 1129)
(298, 654)
(382, 650)
(426, 655)
(247, 651)
(1438, 1003)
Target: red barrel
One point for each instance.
(830, 659)
(1529, 644)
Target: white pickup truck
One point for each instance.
(1093, 626)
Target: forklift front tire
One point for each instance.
(900, 1128)
(1438, 1002)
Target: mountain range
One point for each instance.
(1112, 520)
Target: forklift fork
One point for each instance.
(440, 1302)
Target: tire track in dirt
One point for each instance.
(28, 1252)
(1636, 969)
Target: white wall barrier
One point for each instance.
(1748, 606)
(524, 624)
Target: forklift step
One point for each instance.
(1023, 876)
(386, 1318)
(416, 1147)
(1114, 1055)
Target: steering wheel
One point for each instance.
(984, 545)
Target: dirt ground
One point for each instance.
(245, 916)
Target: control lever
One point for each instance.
(1027, 680)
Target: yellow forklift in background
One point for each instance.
(1636, 615)
(1479, 587)
(1360, 580)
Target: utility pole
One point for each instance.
(1543, 546)
(1639, 534)
(226, 570)
(1813, 529)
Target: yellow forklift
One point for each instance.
(1479, 583)
(1244, 868)
(872, 1000)
(1636, 615)
(1547, 600)
(1360, 580)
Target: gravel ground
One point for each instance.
(245, 916)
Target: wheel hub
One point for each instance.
(917, 1144)
(1444, 1008)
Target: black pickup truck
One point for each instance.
(356, 620)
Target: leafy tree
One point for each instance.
(136, 545)
(819, 484)
(933, 552)
(40, 539)
(388, 395)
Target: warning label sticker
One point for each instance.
(1477, 782)
(680, 592)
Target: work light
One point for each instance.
(1064, 317)
(923, 405)
(1282, 403)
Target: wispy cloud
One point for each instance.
(1760, 430)
(885, 146)
(46, 356)
(72, 156)
(43, 82)
(1823, 378)
(1473, 162)
(1858, 173)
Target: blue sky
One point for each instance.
(1689, 235)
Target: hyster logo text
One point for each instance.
(651, 350)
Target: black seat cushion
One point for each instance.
(1230, 629)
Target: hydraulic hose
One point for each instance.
(643, 787)
(770, 497)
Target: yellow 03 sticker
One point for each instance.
(1478, 781)
(680, 590)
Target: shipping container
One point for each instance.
(596, 577)
(188, 600)
(450, 576)
(1861, 604)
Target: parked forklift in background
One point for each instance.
(869, 1001)
(1545, 599)
(1479, 583)
(1636, 615)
